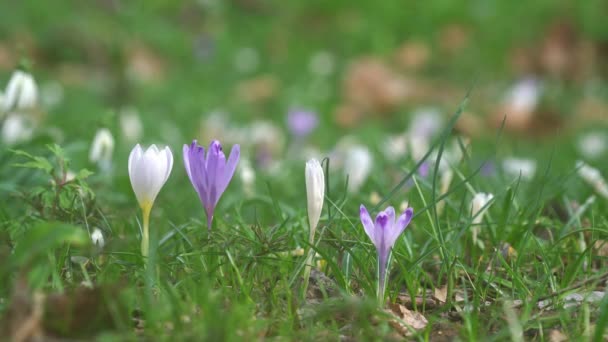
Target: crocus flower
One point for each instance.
(102, 148)
(593, 177)
(301, 123)
(479, 205)
(130, 124)
(210, 173)
(315, 192)
(357, 166)
(21, 92)
(97, 238)
(526, 168)
(17, 128)
(593, 145)
(383, 233)
(148, 171)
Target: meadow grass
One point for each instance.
(531, 276)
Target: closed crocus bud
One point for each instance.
(593, 177)
(130, 124)
(315, 192)
(21, 92)
(148, 171)
(17, 129)
(479, 205)
(97, 238)
(516, 167)
(102, 149)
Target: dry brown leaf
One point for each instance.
(453, 38)
(259, 89)
(412, 319)
(413, 55)
(144, 64)
(347, 115)
(557, 336)
(601, 248)
(371, 85)
(441, 294)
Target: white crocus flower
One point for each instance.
(16, 129)
(593, 177)
(524, 96)
(357, 166)
(130, 124)
(593, 145)
(479, 205)
(21, 92)
(518, 166)
(315, 192)
(102, 149)
(148, 171)
(97, 238)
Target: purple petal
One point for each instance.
(215, 162)
(382, 228)
(230, 168)
(399, 227)
(368, 225)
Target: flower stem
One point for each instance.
(309, 260)
(383, 261)
(145, 238)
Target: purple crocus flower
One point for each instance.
(383, 233)
(301, 123)
(210, 173)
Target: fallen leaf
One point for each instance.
(412, 319)
(557, 336)
(441, 294)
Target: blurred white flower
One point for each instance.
(418, 146)
(246, 60)
(247, 175)
(17, 129)
(524, 96)
(51, 94)
(592, 145)
(321, 63)
(426, 122)
(593, 177)
(21, 92)
(395, 147)
(130, 124)
(357, 166)
(102, 149)
(516, 166)
(97, 238)
(480, 203)
(479, 206)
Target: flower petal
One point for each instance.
(402, 222)
(230, 167)
(368, 224)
